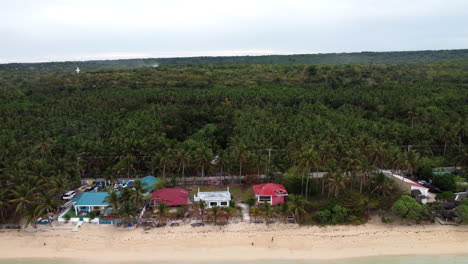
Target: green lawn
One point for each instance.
(72, 214)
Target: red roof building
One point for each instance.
(170, 196)
(270, 192)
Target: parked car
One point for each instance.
(432, 188)
(68, 195)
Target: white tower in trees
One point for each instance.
(77, 70)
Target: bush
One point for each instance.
(381, 212)
(91, 215)
(445, 196)
(446, 182)
(387, 220)
(159, 185)
(462, 211)
(323, 216)
(66, 217)
(339, 215)
(232, 203)
(408, 208)
(250, 202)
(336, 215)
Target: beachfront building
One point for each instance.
(221, 198)
(149, 182)
(408, 185)
(170, 196)
(270, 192)
(90, 202)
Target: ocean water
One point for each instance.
(443, 259)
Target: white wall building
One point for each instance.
(408, 184)
(213, 198)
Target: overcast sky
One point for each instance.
(57, 30)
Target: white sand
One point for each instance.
(234, 242)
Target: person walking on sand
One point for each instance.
(272, 239)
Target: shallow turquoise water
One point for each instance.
(445, 259)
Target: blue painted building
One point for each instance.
(90, 201)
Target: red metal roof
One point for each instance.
(269, 189)
(408, 181)
(170, 196)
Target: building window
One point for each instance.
(213, 203)
(224, 203)
(264, 198)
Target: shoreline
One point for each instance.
(234, 243)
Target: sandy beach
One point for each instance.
(105, 243)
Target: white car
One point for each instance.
(69, 195)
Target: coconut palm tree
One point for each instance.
(336, 182)
(127, 211)
(137, 195)
(162, 213)
(48, 202)
(254, 212)
(411, 162)
(23, 195)
(382, 185)
(258, 160)
(183, 156)
(202, 207)
(204, 156)
(30, 214)
(229, 212)
(3, 203)
(309, 159)
(126, 165)
(165, 159)
(239, 151)
(296, 205)
(267, 211)
(215, 210)
(113, 199)
(284, 210)
(60, 184)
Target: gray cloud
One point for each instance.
(46, 30)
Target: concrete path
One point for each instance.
(245, 212)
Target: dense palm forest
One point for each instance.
(428, 56)
(174, 120)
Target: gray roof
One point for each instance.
(460, 196)
(210, 196)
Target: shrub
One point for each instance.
(159, 185)
(323, 216)
(381, 212)
(462, 211)
(339, 215)
(408, 208)
(387, 220)
(446, 182)
(67, 218)
(250, 202)
(336, 215)
(91, 215)
(445, 196)
(232, 203)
